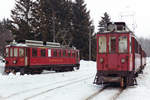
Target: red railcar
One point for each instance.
(119, 56)
(36, 56)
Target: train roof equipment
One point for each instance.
(117, 27)
(34, 43)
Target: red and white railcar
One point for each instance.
(35, 56)
(119, 56)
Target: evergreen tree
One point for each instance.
(82, 25)
(52, 19)
(65, 29)
(21, 20)
(5, 35)
(103, 23)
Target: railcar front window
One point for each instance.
(102, 44)
(123, 48)
(7, 52)
(21, 52)
(15, 52)
(112, 44)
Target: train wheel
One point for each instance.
(76, 68)
(7, 71)
(22, 71)
(71, 69)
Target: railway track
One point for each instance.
(58, 87)
(118, 94)
(96, 93)
(65, 83)
(114, 97)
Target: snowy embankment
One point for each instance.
(75, 85)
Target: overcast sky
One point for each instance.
(134, 12)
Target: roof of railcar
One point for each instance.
(41, 45)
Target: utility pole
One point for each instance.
(89, 43)
(91, 28)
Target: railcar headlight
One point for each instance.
(123, 60)
(101, 60)
(14, 61)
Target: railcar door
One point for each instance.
(113, 55)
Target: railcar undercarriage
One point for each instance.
(39, 69)
(122, 77)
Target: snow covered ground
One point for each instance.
(75, 85)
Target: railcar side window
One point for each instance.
(77, 54)
(7, 52)
(21, 52)
(102, 44)
(43, 52)
(55, 53)
(69, 53)
(112, 44)
(34, 52)
(49, 52)
(64, 52)
(123, 48)
(60, 53)
(73, 53)
(136, 46)
(11, 52)
(130, 44)
(15, 52)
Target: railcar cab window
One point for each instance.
(21, 52)
(102, 44)
(34, 52)
(43, 52)
(7, 52)
(15, 52)
(123, 48)
(112, 44)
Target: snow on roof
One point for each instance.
(18, 45)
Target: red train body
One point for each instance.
(36, 56)
(120, 57)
